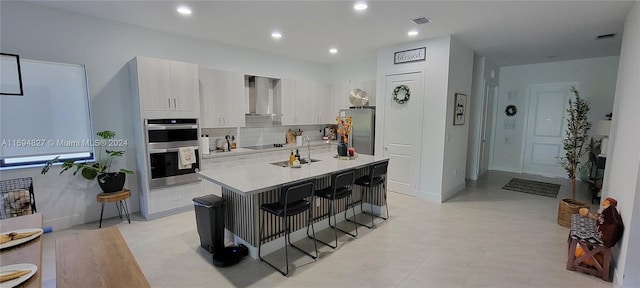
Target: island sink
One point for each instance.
(286, 163)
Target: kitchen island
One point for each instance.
(246, 187)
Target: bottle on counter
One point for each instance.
(297, 156)
(233, 142)
(291, 158)
(204, 144)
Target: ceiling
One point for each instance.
(506, 32)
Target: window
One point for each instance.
(51, 119)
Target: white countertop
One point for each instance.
(255, 178)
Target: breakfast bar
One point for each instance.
(246, 187)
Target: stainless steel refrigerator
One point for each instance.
(363, 128)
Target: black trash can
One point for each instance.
(210, 222)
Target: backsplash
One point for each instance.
(262, 131)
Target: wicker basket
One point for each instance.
(566, 208)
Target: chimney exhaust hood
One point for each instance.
(263, 100)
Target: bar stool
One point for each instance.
(341, 187)
(376, 177)
(292, 202)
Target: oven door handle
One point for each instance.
(170, 127)
(153, 151)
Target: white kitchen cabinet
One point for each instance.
(154, 84)
(305, 102)
(287, 90)
(165, 85)
(184, 86)
(324, 104)
(222, 98)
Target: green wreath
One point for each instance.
(404, 99)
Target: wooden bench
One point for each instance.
(585, 233)
(98, 258)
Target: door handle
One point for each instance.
(174, 103)
(386, 148)
(169, 102)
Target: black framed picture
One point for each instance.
(12, 76)
(460, 109)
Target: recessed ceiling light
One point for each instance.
(412, 33)
(276, 35)
(184, 10)
(360, 6)
(333, 50)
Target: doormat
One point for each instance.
(533, 187)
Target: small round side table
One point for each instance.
(118, 197)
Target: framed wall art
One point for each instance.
(460, 109)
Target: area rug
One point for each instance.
(533, 187)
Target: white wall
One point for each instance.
(444, 75)
(482, 72)
(596, 77)
(105, 47)
(623, 161)
(456, 139)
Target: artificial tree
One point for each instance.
(576, 136)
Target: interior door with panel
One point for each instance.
(545, 128)
(401, 136)
(154, 84)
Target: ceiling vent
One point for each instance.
(421, 20)
(605, 36)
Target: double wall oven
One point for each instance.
(164, 138)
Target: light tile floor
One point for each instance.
(482, 237)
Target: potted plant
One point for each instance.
(344, 129)
(108, 180)
(576, 136)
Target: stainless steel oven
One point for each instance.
(164, 139)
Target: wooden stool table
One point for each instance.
(118, 197)
(584, 233)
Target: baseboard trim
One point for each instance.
(152, 216)
(448, 194)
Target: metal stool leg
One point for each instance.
(125, 208)
(118, 205)
(101, 212)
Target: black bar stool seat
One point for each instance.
(293, 209)
(327, 193)
(367, 181)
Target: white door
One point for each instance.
(403, 132)
(545, 128)
(490, 92)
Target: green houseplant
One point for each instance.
(108, 180)
(576, 136)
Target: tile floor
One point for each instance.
(482, 237)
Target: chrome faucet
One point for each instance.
(306, 137)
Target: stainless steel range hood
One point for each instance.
(262, 97)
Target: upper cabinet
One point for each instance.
(306, 103)
(222, 98)
(165, 85)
